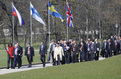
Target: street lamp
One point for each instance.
(116, 25)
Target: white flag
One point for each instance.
(35, 14)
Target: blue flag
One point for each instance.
(54, 12)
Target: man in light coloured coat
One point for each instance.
(58, 53)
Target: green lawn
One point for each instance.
(106, 69)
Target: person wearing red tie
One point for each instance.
(110, 48)
(75, 51)
(116, 48)
(9, 51)
(29, 53)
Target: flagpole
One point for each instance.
(13, 23)
(67, 29)
(48, 22)
(31, 24)
(67, 33)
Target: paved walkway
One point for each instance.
(25, 68)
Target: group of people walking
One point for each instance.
(111, 47)
(65, 52)
(72, 52)
(15, 55)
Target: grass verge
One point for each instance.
(106, 69)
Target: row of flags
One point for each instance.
(36, 16)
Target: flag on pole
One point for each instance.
(69, 15)
(35, 14)
(54, 12)
(17, 14)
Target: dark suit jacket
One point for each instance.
(117, 48)
(31, 51)
(43, 51)
(112, 40)
(51, 48)
(85, 47)
(96, 46)
(93, 48)
(89, 47)
(120, 45)
(82, 48)
(76, 48)
(111, 46)
(70, 45)
(104, 46)
(20, 50)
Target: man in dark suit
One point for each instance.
(105, 48)
(29, 52)
(71, 53)
(92, 51)
(96, 49)
(116, 48)
(85, 47)
(75, 50)
(110, 48)
(88, 53)
(20, 52)
(67, 52)
(43, 53)
(16, 54)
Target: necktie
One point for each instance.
(92, 45)
(74, 47)
(115, 44)
(29, 50)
